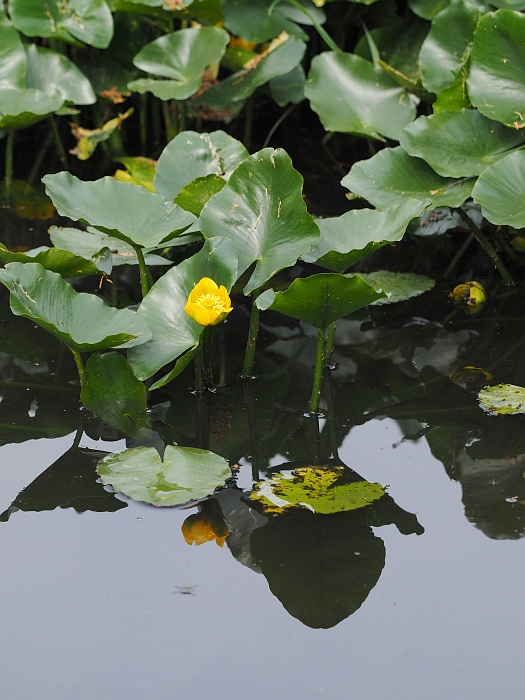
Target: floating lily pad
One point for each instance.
(317, 489)
(503, 399)
(185, 474)
(82, 321)
(398, 286)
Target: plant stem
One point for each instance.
(486, 245)
(318, 372)
(171, 131)
(468, 240)
(58, 142)
(278, 124)
(248, 121)
(37, 163)
(247, 370)
(182, 116)
(222, 355)
(329, 345)
(143, 123)
(144, 277)
(9, 167)
(207, 342)
(199, 384)
(80, 367)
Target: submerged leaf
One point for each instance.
(398, 286)
(315, 488)
(185, 474)
(503, 399)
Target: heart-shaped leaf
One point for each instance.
(458, 144)
(350, 95)
(173, 331)
(111, 390)
(191, 155)
(500, 190)
(496, 83)
(185, 474)
(446, 47)
(348, 238)
(182, 57)
(262, 212)
(398, 286)
(89, 21)
(391, 176)
(321, 299)
(82, 321)
(130, 213)
(50, 71)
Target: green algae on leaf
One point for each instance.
(315, 488)
(503, 399)
(185, 474)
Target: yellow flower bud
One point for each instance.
(204, 527)
(471, 296)
(208, 304)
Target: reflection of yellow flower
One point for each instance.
(208, 304)
(204, 527)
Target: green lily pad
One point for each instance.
(496, 83)
(88, 21)
(398, 286)
(427, 9)
(185, 474)
(445, 141)
(500, 190)
(348, 238)
(63, 262)
(191, 155)
(82, 321)
(315, 488)
(391, 176)
(262, 212)
(350, 95)
(112, 391)
(12, 56)
(503, 399)
(181, 56)
(173, 331)
(120, 209)
(50, 71)
(254, 22)
(321, 299)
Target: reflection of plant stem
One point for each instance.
(143, 123)
(144, 277)
(202, 419)
(330, 413)
(252, 427)
(222, 355)
(80, 367)
(199, 384)
(9, 167)
(318, 372)
(248, 121)
(58, 142)
(207, 345)
(315, 436)
(486, 245)
(247, 370)
(457, 257)
(329, 345)
(37, 163)
(182, 116)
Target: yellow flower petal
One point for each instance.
(207, 303)
(205, 286)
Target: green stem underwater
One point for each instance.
(329, 345)
(144, 277)
(249, 358)
(318, 372)
(58, 142)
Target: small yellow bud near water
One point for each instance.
(208, 304)
(471, 296)
(204, 527)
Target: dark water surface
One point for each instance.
(417, 596)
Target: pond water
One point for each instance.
(419, 595)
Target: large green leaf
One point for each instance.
(182, 57)
(185, 474)
(288, 87)
(427, 9)
(130, 213)
(348, 238)
(89, 21)
(112, 391)
(253, 21)
(12, 56)
(350, 95)
(282, 56)
(391, 176)
(321, 299)
(503, 399)
(20, 108)
(82, 321)
(262, 212)
(49, 71)
(67, 264)
(398, 286)
(500, 190)
(496, 83)
(458, 144)
(446, 47)
(174, 332)
(191, 155)
(194, 196)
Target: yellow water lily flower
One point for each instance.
(208, 304)
(204, 527)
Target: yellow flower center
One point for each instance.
(211, 302)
